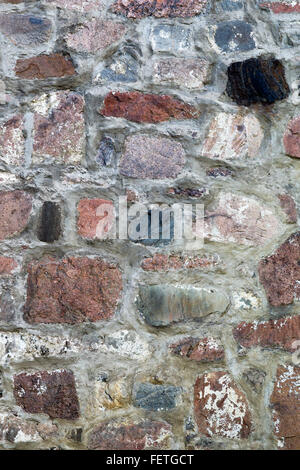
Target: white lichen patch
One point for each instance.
(245, 300)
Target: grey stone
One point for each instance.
(163, 305)
(122, 69)
(165, 38)
(255, 378)
(234, 35)
(155, 397)
(106, 151)
(25, 29)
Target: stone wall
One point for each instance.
(118, 344)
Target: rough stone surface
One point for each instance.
(288, 205)
(92, 220)
(162, 263)
(165, 38)
(161, 9)
(12, 142)
(59, 128)
(280, 272)
(291, 138)
(78, 5)
(281, 6)
(163, 305)
(155, 397)
(257, 81)
(7, 265)
(72, 290)
(16, 430)
(221, 408)
(45, 66)
(15, 209)
(25, 30)
(186, 73)
(151, 157)
(234, 35)
(139, 107)
(283, 333)
(53, 393)
(49, 228)
(284, 402)
(199, 349)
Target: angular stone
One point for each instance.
(236, 35)
(161, 9)
(283, 6)
(257, 81)
(140, 107)
(7, 265)
(16, 430)
(291, 138)
(59, 129)
(155, 397)
(233, 136)
(72, 290)
(151, 157)
(45, 66)
(123, 69)
(12, 141)
(167, 38)
(280, 272)
(53, 393)
(15, 209)
(187, 73)
(106, 152)
(7, 307)
(219, 171)
(163, 263)
(163, 305)
(96, 35)
(285, 403)
(199, 349)
(288, 205)
(109, 395)
(282, 333)
(239, 219)
(221, 408)
(128, 435)
(255, 378)
(79, 5)
(96, 218)
(25, 30)
(49, 228)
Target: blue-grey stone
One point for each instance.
(106, 151)
(167, 38)
(155, 397)
(122, 69)
(234, 35)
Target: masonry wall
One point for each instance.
(123, 344)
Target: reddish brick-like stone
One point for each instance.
(199, 349)
(285, 403)
(53, 393)
(288, 205)
(96, 35)
(291, 138)
(162, 263)
(160, 8)
(221, 409)
(12, 141)
(90, 213)
(280, 333)
(14, 429)
(130, 436)
(141, 107)
(280, 272)
(15, 209)
(59, 130)
(281, 7)
(72, 290)
(45, 66)
(7, 265)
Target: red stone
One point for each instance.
(141, 107)
(288, 205)
(198, 349)
(280, 272)
(280, 333)
(291, 138)
(53, 393)
(72, 290)
(159, 8)
(90, 213)
(281, 7)
(220, 407)
(45, 66)
(130, 436)
(15, 209)
(7, 265)
(285, 403)
(162, 263)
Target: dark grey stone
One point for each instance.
(155, 397)
(106, 151)
(235, 35)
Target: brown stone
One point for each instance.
(288, 205)
(12, 141)
(280, 333)
(45, 66)
(15, 209)
(53, 393)
(90, 213)
(7, 265)
(220, 407)
(199, 349)
(291, 138)
(142, 107)
(285, 403)
(162, 263)
(280, 272)
(59, 129)
(72, 290)
(130, 436)
(160, 8)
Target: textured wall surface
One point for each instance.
(118, 344)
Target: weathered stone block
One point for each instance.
(15, 209)
(49, 228)
(25, 30)
(96, 218)
(199, 349)
(170, 38)
(234, 35)
(186, 73)
(155, 397)
(45, 66)
(161, 9)
(291, 138)
(12, 141)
